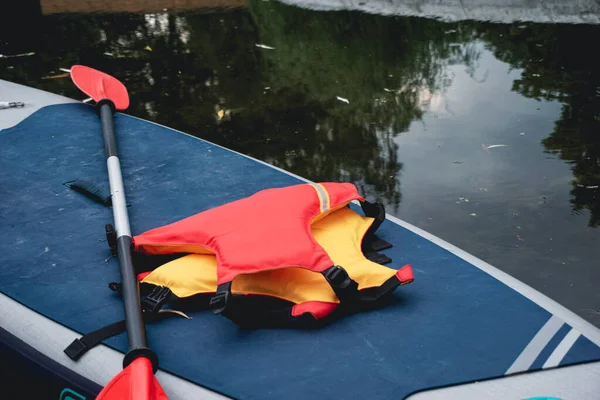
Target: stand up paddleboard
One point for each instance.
(461, 321)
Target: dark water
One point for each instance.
(421, 103)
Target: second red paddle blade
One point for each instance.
(99, 86)
(136, 382)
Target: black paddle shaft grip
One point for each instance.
(130, 288)
(106, 109)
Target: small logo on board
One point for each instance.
(69, 394)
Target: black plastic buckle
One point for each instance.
(344, 287)
(76, 349)
(336, 275)
(218, 303)
(155, 300)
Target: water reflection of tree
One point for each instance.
(557, 65)
(381, 65)
(182, 69)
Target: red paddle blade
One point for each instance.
(99, 85)
(136, 382)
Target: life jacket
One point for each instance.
(311, 297)
(301, 244)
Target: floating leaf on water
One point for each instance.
(343, 99)
(148, 48)
(486, 148)
(264, 46)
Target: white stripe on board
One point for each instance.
(535, 346)
(562, 349)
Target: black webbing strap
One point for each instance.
(372, 244)
(376, 211)
(80, 346)
(374, 294)
(151, 304)
(251, 312)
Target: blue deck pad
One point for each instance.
(454, 324)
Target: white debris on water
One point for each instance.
(492, 146)
(17, 55)
(343, 99)
(264, 46)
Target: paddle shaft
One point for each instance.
(129, 284)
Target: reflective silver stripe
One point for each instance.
(117, 191)
(535, 346)
(322, 196)
(562, 349)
